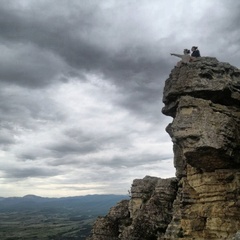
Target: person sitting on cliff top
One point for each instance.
(195, 52)
(185, 57)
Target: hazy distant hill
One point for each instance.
(97, 204)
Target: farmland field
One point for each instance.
(32, 217)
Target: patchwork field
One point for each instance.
(52, 219)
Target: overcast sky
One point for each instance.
(81, 85)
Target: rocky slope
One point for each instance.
(203, 201)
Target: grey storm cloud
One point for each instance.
(78, 142)
(46, 45)
(42, 37)
(33, 172)
(129, 162)
(20, 108)
(69, 147)
(6, 138)
(26, 65)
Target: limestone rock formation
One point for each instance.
(145, 216)
(203, 97)
(203, 201)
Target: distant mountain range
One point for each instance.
(89, 204)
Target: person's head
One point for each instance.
(194, 48)
(186, 51)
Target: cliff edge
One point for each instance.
(203, 200)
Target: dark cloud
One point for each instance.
(77, 142)
(69, 147)
(20, 108)
(28, 66)
(29, 172)
(6, 138)
(28, 156)
(130, 161)
(48, 41)
(48, 36)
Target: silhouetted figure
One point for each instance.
(195, 52)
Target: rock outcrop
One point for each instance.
(146, 215)
(203, 201)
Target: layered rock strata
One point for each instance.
(203, 97)
(203, 201)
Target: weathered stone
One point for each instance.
(203, 98)
(110, 226)
(203, 201)
(207, 134)
(204, 78)
(149, 212)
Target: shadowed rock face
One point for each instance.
(203, 201)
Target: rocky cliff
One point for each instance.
(203, 201)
